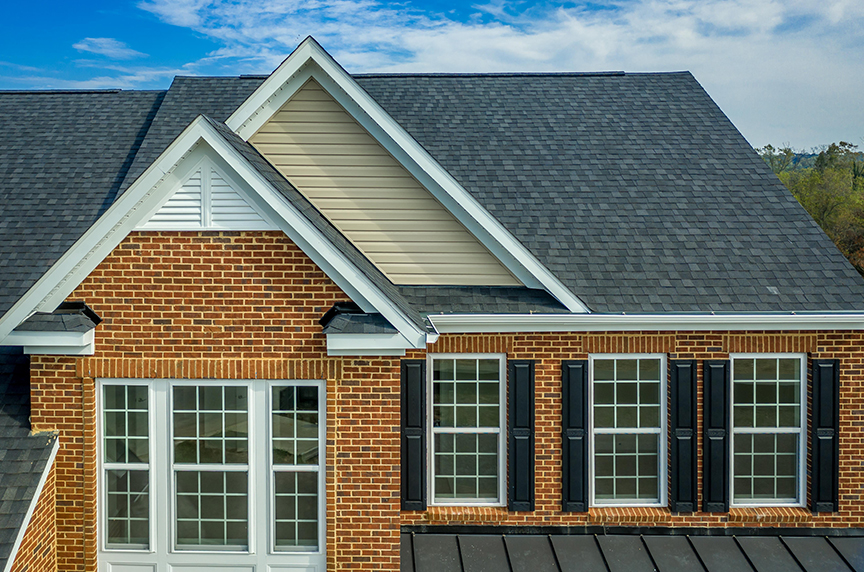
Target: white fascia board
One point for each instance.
(34, 502)
(521, 323)
(53, 343)
(148, 193)
(311, 60)
(367, 345)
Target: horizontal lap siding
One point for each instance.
(370, 197)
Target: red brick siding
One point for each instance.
(246, 305)
(38, 549)
(226, 305)
(550, 349)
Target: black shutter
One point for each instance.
(521, 434)
(574, 421)
(682, 428)
(715, 455)
(413, 393)
(825, 436)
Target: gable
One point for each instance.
(206, 142)
(368, 195)
(207, 200)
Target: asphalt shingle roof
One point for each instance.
(634, 189)
(23, 457)
(63, 156)
(481, 300)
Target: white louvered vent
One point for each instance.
(184, 207)
(207, 200)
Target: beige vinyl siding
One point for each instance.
(370, 197)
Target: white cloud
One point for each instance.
(783, 70)
(108, 47)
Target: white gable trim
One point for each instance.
(311, 60)
(145, 197)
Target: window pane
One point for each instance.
(295, 426)
(128, 508)
(466, 466)
(472, 392)
(621, 401)
(209, 432)
(125, 424)
(208, 509)
(626, 467)
(765, 467)
(296, 510)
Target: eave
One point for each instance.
(521, 323)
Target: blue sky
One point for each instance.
(784, 71)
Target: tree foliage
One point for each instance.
(830, 186)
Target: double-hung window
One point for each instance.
(768, 423)
(628, 429)
(466, 434)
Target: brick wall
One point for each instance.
(246, 305)
(38, 550)
(550, 349)
(229, 305)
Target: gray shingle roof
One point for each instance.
(481, 300)
(359, 324)
(23, 457)
(634, 189)
(63, 157)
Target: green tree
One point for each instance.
(831, 190)
(778, 159)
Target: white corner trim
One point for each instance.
(311, 60)
(520, 323)
(145, 196)
(367, 345)
(33, 503)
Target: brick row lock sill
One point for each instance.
(620, 515)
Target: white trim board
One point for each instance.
(53, 343)
(145, 197)
(33, 503)
(516, 323)
(311, 60)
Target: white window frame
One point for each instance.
(252, 462)
(162, 551)
(501, 501)
(320, 468)
(104, 467)
(801, 431)
(662, 459)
